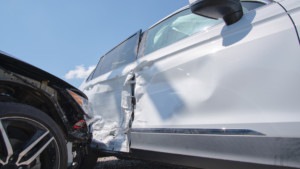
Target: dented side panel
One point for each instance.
(110, 95)
(111, 101)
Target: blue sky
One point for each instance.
(64, 35)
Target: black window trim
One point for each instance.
(123, 42)
(259, 1)
(99, 62)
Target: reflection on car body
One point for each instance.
(201, 91)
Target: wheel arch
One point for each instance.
(26, 84)
(22, 93)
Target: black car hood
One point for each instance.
(15, 65)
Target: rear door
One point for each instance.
(109, 89)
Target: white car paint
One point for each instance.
(238, 81)
(231, 77)
(293, 9)
(242, 76)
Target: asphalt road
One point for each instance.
(115, 163)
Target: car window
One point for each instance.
(124, 53)
(175, 28)
(182, 25)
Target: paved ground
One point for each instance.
(115, 163)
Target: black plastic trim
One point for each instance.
(198, 162)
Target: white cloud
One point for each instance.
(79, 72)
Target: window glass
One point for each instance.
(121, 55)
(175, 28)
(182, 25)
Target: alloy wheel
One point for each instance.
(27, 144)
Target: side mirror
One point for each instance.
(230, 10)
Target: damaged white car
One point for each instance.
(213, 85)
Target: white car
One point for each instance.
(201, 91)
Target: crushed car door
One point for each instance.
(110, 96)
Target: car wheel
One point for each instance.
(30, 139)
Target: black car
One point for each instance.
(42, 119)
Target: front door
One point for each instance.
(110, 91)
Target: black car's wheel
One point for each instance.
(30, 139)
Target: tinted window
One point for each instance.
(175, 28)
(121, 55)
(182, 25)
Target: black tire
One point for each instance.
(32, 135)
(89, 161)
